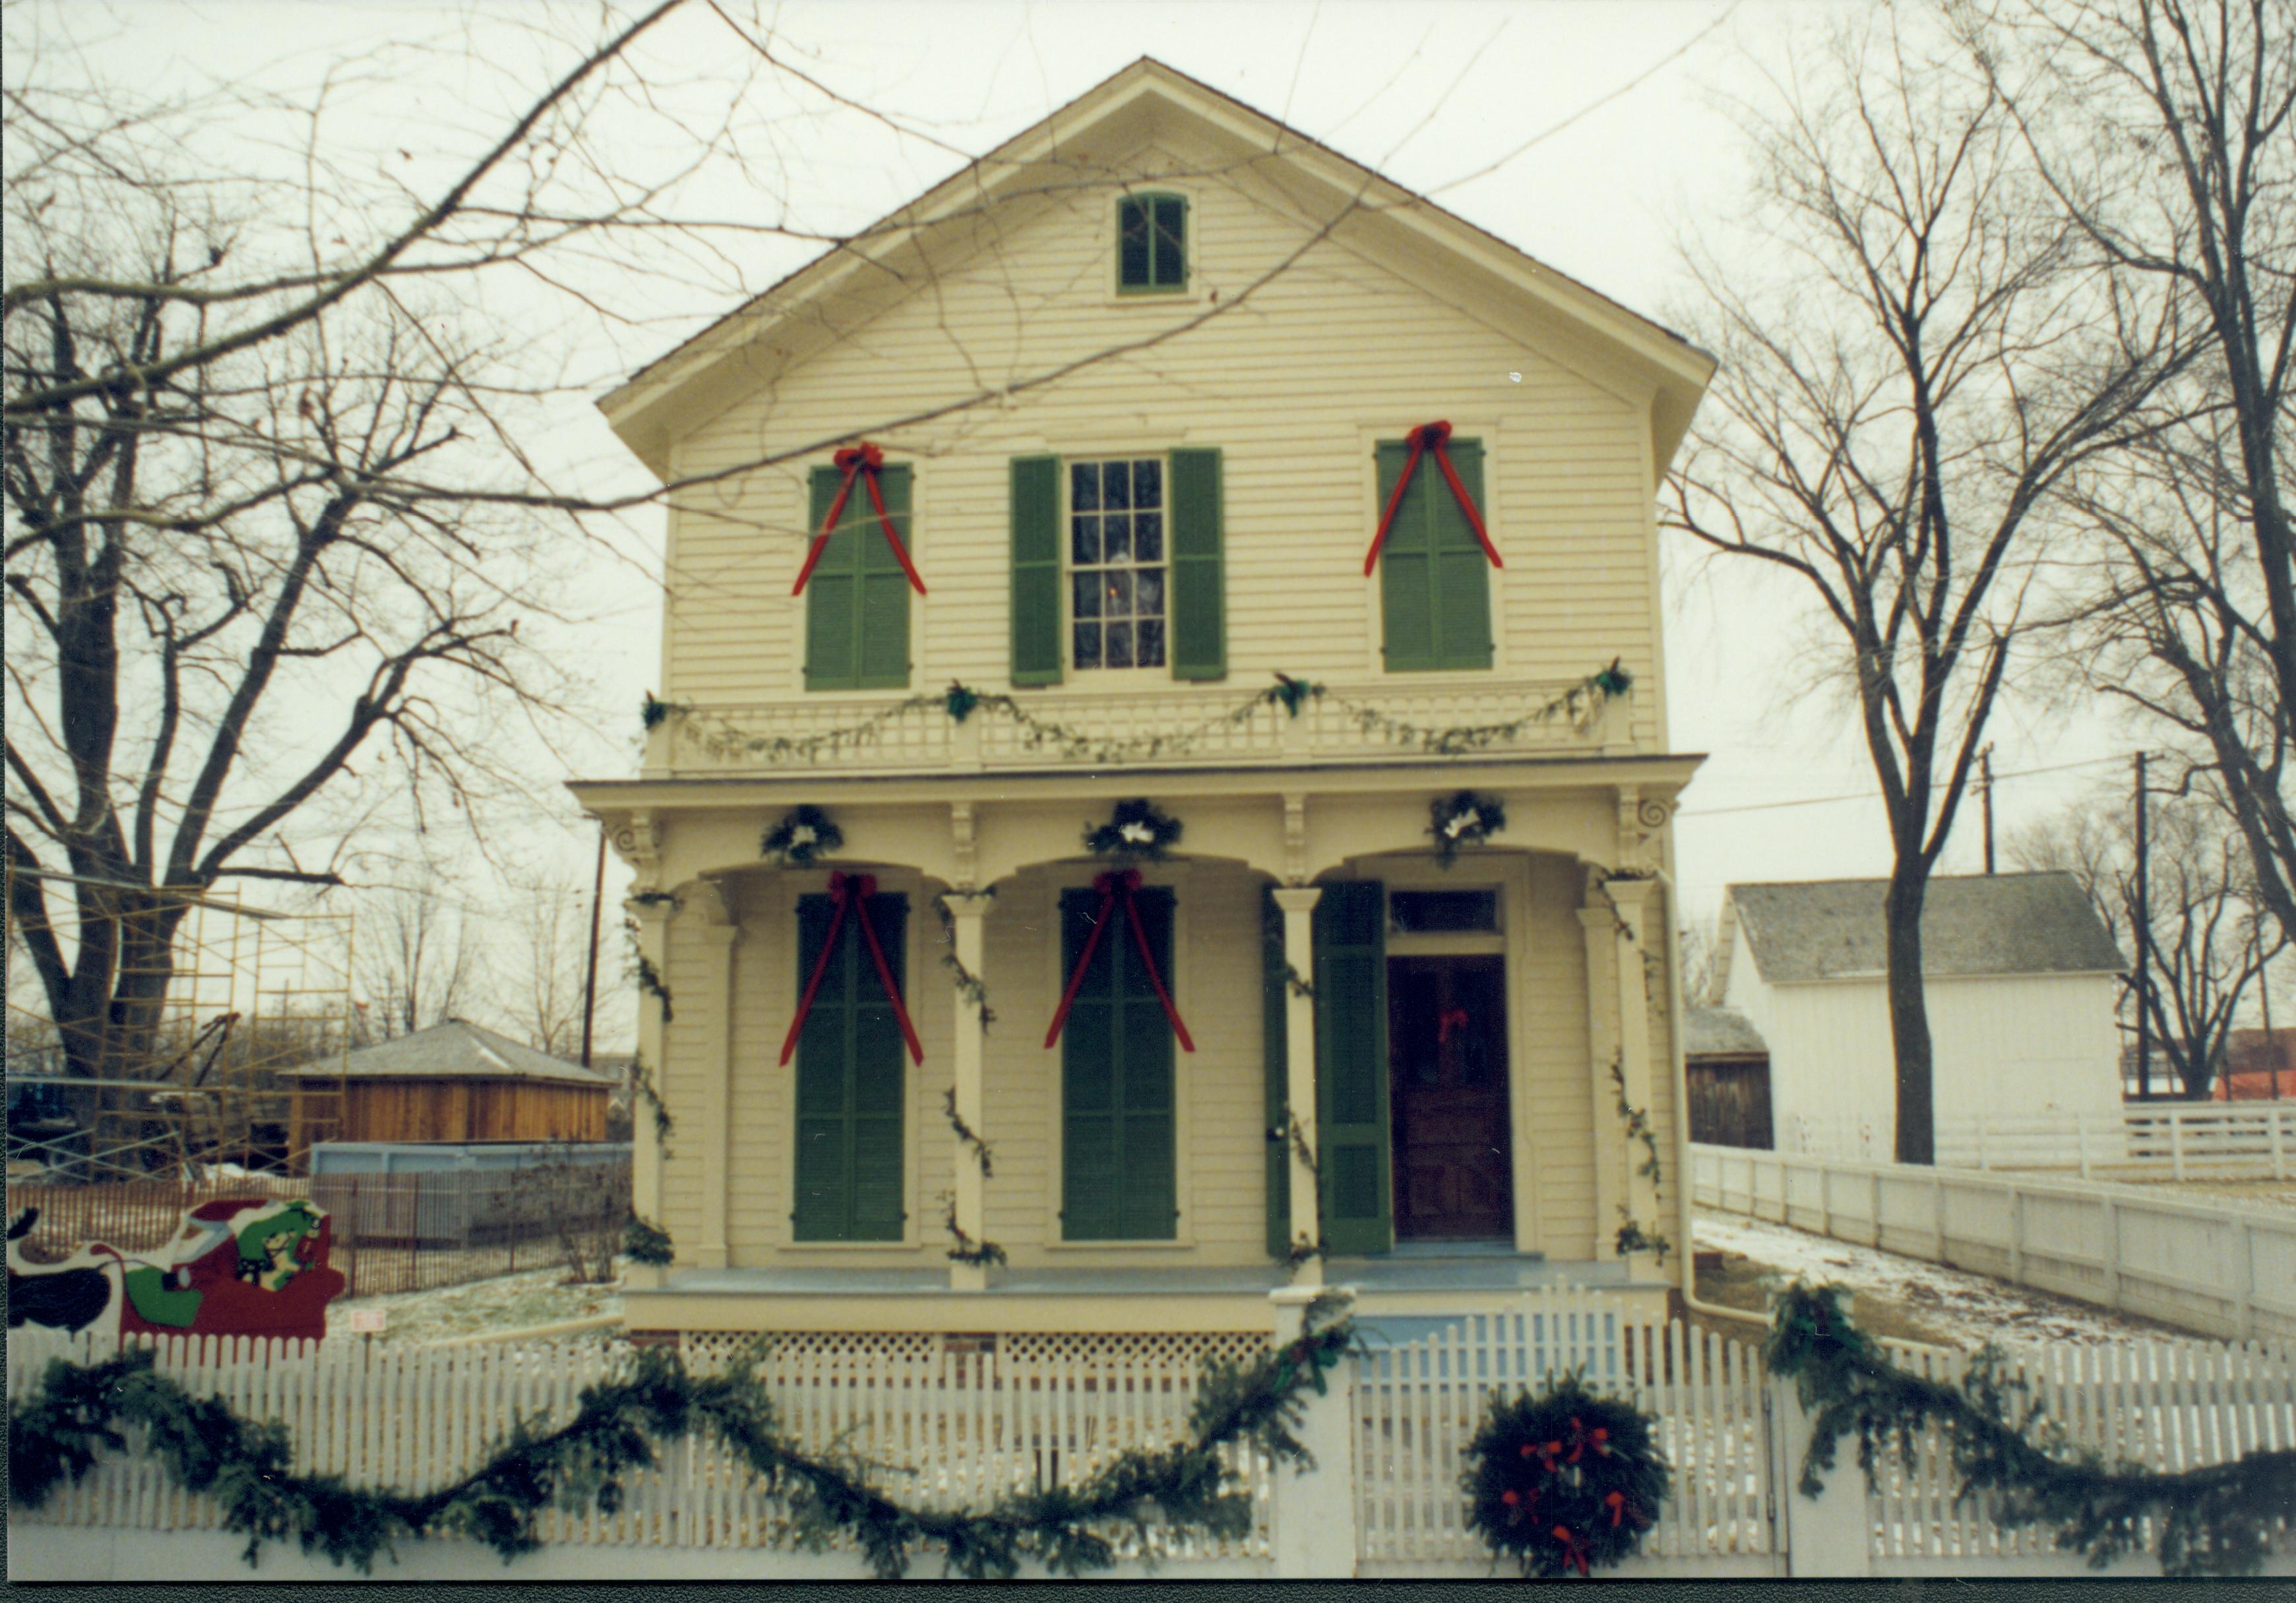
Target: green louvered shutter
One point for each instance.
(1350, 931)
(1036, 570)
(850, 1081)
(1275, 1048)
(1199, 583)
(1435, 590)
(857, 602)
(1117, 1181)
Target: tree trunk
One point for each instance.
(1909, 1020)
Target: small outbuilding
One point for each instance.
(1728, 1068)
(453, 1083)
(2020, 975)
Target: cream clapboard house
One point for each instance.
(1140, 386)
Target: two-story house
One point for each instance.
(1115, 470)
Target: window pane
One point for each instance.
(1132, 243)
(1169, 255)
(1088, 645)
(1115, 538)
(1147, 537)
(1119, 646)
(1147, 484)
(1116, 479)
(1148, 642)
(1084, 487)
(1118, 591)
(1087, 595)
(1148, 591)
(1084, 539)
(1436, 912)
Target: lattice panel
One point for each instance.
(1182, 1353)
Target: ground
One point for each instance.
(1896, 1297)
(512, 1301)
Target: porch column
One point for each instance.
(966, 910)
(717, 931)
(1630, 897)
(1600, 923)
(1297, 905)
(650, 919)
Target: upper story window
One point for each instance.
(1116, 563)
(1435, 595)
(1152, 243)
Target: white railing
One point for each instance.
(1171, 726)
(2219, 1269)
(940, 1427)
(1418, 1406)
(2173, 1140)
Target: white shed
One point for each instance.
(2022, 978)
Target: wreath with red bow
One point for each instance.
(1564, 1482)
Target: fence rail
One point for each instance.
(2177, 1140)
(2221, 1271)
(392, 1232)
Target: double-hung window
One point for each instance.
(1151, 244)
(1116, 563)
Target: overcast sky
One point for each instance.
(1429, 92)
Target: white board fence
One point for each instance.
(2218, 1270)
(2169, 1139)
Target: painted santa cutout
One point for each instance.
(240, 1266)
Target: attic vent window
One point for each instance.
(1152, 243)
(1442, 911)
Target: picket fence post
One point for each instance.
(1825, 1535)
(1315, 1510)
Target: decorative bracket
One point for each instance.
(637, 841)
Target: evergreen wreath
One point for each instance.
(2219, 1520)
(1565, 1480)
(1135, 830)
(1465, 819)
(65, 1425)
(804, 834)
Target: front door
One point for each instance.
(1448, 1077)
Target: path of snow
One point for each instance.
(1973, 1309)
(513, 1302)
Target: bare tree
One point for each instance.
(2208, 942)
(1912, 361)
(1701, 961)
(551, 917)
(416, 961)
(2164, 129)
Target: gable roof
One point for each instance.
(1720, 1032)
(1105, 121)
(1971, 925)
(456, 1049)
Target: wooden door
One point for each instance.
(1448, 1074)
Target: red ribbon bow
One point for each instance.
(853, 461)
(1425, 436)
(1120, 882)
(849, 893)
(1448, 1020)
(1616, 1504)
(1581, 1440)
(1573, 1549)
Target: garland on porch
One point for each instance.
(1632, 1238)
(980, 1254)
(965, 1133)
(647, 1242)
(72, 1419)
(1466, 819)
(1578, 703)
(1138, 832)
(2217, 1520)
(1565, 1480)
(804, 834)
(969, 985)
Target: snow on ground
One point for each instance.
(515, 1302)
(1968, 1309)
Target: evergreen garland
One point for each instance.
(63, 1429)
(1137, 829)
(804, 834)
(1466, 819)
(647, 1242)
(1565, 1480)
(2219, 1520)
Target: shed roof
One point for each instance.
(1971, 925)
(456, 1049)
(1721, 1033)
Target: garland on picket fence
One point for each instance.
(64, 1428)
(1565, 1480)
(2216, 1520)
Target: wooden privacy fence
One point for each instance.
(2172, 1139)
(2218, 1270)
(392, 1232)
(1417, 1407)
(936, 1425)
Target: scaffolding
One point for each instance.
(193, 1089)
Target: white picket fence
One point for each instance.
(2171, 1406)
(2222, 1271)
(2167, 1140)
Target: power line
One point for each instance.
(1815, 801)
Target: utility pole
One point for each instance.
(2142, 922)
(1985, 789)
(590, 979)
